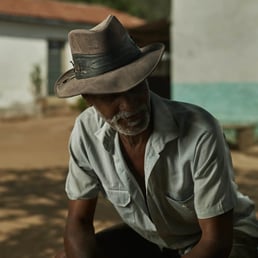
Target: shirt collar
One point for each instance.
(106, 135)
(165, 128)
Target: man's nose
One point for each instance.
(127, 101)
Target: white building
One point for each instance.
(215, 57)
(33, 35)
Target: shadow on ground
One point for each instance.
(247, 181)
(33, 210)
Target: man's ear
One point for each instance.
(87, 98)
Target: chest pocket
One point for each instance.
(122, 202)
(185, 208)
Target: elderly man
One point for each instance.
(164, 165)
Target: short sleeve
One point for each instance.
(81, 181)
(213, 176)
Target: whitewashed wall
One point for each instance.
(215, 57)
(23, 45)
(215, 40)
(18, 56)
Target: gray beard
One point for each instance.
(132, 128)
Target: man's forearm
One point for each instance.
(80, 242)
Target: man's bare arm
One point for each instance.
(216, 240)
(79, 238)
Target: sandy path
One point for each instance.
(33, 161)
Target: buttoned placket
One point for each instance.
(150, 159)
(127, 177)
(135, 190)
(154, 147)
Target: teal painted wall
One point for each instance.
(228, 102)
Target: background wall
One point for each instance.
(215, 57)
(18, 57)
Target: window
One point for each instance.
(55, 48)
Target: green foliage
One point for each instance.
(36, 80)
(80, 104)
(146, 9)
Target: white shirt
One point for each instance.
(188, 174)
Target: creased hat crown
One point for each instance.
(106, 60)
(101, 49)
(100, 39)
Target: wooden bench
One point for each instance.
(245, 134)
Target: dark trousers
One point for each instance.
(244, 246)
(123, 242)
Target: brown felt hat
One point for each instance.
(106, 60)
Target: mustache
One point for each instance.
(126, 114)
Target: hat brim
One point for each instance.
(115, 81)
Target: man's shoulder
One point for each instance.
(189, 108)
(197, 117)
(181, 109)
(191, 115)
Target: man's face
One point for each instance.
(127, 112)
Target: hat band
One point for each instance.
(86, 66)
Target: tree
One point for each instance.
(36, 80)
(146, 9)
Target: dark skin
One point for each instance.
(79, 238)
